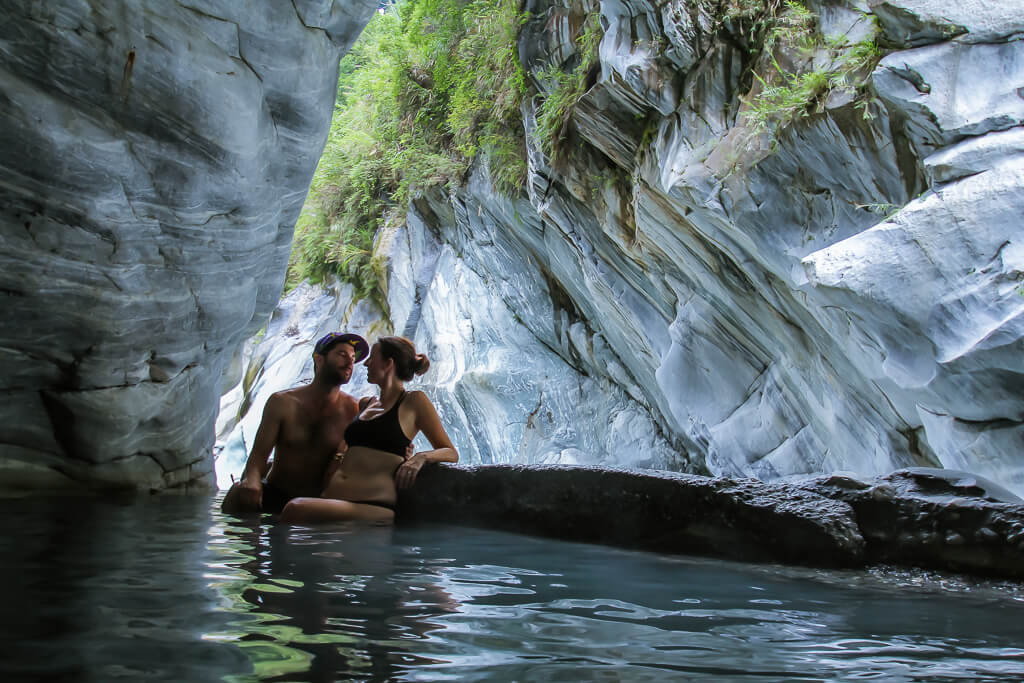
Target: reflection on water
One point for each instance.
(167, 588)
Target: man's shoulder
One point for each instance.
(347, 399)
(286, 398)
(287, 394)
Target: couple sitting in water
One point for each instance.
(336, 459)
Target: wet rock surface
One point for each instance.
(916, 517)
(935, 519)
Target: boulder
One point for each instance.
(934, 518)
(920, 517)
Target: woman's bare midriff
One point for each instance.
(366, 474)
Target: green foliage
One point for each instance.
(883, 209)
(430, 86)
(566, 87)
(786, 94)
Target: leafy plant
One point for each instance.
(787, 95)
(429, 87)
(564, 88)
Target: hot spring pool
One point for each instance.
(167, 588)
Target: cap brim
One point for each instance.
(359, 345)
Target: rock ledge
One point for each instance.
(919, 517)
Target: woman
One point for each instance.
(362, 483)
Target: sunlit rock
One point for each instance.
(914, 22)
(685, 289)
(841, 294)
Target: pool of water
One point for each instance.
(167, 588)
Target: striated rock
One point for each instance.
(918, 517)
(502, 396)
(909, 23)
(155, 158)
(841, 293)
(687, 290)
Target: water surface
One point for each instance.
(167, 588)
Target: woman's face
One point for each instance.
(376, 365)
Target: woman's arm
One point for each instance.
(428, 422)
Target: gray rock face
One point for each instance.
(906, 518)
(155, 157)
(682, 292)
(844, 297)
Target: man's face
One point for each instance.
(338, 363)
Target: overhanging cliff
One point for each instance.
(155, 157)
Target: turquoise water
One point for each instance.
(168, 589)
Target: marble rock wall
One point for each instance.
(843, 293)
(684, 290)
(155, 156)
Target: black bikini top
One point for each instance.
(383, 433)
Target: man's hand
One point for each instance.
(250, 493)
(405, 477)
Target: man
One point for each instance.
(304, 427)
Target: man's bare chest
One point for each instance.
(313, 431)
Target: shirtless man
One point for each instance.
(304, 427)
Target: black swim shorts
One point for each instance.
(274, 498)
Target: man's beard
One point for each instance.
(334, 376)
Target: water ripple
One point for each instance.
(168, 589)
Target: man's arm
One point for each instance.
(251, 486)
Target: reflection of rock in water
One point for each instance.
(340, 595)
(105, 589)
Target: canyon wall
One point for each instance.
(155, 157)
(688, 288)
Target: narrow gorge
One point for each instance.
(738, 250)
(697, 278)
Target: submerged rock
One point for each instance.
(667, 512)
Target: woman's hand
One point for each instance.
(334, 466)
(405, 477)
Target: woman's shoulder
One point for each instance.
(417, 398)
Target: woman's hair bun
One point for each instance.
(407, 362)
